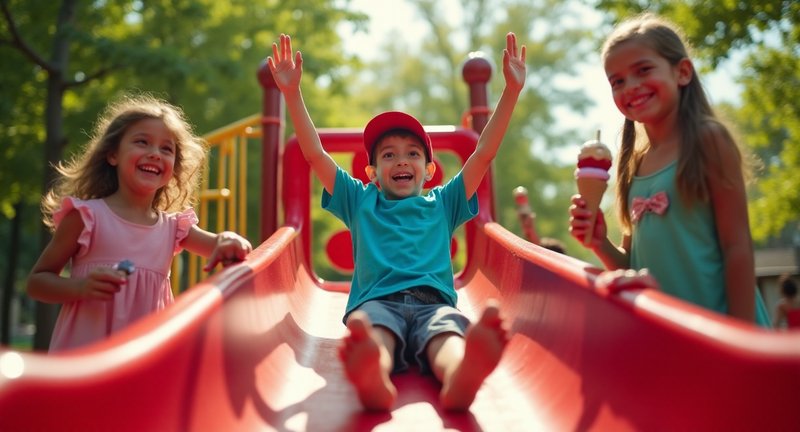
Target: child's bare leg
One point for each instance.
(366, 354)
(462, 365)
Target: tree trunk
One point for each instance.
(54, 148)
(11, 276)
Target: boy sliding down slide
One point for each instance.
(402, 299)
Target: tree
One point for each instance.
(57, 82)
(770, 122)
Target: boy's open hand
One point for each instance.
(514, 69)
(285, 71)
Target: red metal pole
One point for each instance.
(476, 72)
(271, 137)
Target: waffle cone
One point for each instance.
(592, 190)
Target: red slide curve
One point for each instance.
(254, 348)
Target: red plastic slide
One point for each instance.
(254, 348)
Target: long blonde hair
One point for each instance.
(695, 115)
(89, 175)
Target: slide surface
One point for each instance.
(254, 348)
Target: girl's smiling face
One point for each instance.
(145, 158)
(645, 86)
(400, 166)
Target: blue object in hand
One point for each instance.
(126, 266)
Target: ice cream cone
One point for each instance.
(594, 161)
(592, 190)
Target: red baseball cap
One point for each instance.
(384, 122)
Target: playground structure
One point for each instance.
(254, 346)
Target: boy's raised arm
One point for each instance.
(514, 71)
(287, 73)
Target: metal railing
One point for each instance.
(222, 199)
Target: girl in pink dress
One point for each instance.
(127, 197)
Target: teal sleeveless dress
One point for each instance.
(680, 247)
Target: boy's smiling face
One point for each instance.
(400, 166)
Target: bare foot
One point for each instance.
(367, 364)
(485, 342)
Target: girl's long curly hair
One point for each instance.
(89, 175)
(695, 116)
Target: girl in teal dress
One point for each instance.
(680, 177)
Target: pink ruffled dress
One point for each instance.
(106, 240)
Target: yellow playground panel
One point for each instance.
(222, 200)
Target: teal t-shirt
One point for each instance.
(399, 244)
(680, 247)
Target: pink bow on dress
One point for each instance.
(657, 204)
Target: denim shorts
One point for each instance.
(415, 316)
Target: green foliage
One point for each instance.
(770, 120)
(716, 28)
(202, 55)
(21, 127)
